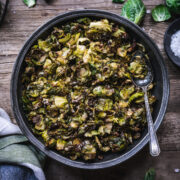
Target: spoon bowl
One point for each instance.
(144, 82)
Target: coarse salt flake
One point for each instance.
(177, 170)
(148, 11)
(175, 44)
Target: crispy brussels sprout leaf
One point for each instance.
(104, 104)
(135, 96)
(126, 92)
(40, 125)
(102, 91)
(101, 25)
(60, 144)
(89, 152)
(60, 102)
(65, 39)
(44, 45)
(45, 136)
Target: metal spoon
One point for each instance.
(143, 84)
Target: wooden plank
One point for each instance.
(133, 169)
(65, 4)
(19, 24)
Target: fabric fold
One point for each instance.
(15, 148)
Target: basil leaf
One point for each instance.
(150, 174)
(118, 1)
(134, 10)
(161, 13)
(29, 3)
(174, 6)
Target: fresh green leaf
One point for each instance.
(161, 13)
(174, 6)
(29, 3)
(150, 174)
(134, 10)
(118, 1)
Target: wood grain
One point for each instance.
(133, 169)
(19, 24)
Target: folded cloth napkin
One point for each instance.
(15, 148)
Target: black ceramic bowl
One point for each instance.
(173, 28)
(161, 89)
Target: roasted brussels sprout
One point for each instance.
(78, 95)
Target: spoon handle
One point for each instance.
(154, 145)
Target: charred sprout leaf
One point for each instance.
(89, 152)
(174, 6)
(84, 21)
(150, 174)
(102, 91)
(40, 125)
(60, 102)
(119, 32)
(60, 144)
(44, 45)
(104, 104)
(118, 1)
(29, 3)
(135, 67)
(126, 92)
(101, 25)
(135, 96)
(45, 136)
(134, 10)
(161, 13)
(65, 39)
(77, 93)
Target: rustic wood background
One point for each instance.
(19, 24)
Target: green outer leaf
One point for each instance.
(118, 1)
(150, 174)
(134, 10)
(29, 3)
(173, 5)
(161, 13)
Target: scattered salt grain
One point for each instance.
(149, 32)
(175, 43)
(176, 170)
(143, 29)
(148, 11)
(70, 9)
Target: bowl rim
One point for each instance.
(166, 43)
(15, 105)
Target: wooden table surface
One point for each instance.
(19, 24)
